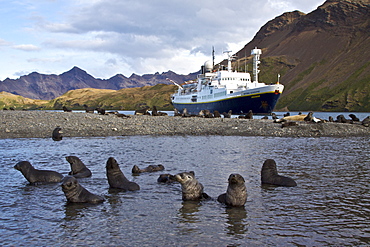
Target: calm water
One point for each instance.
(330, 205)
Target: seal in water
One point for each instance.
(79, 170)
(74, 192)
(236, 193)
(117, 179)
(37, 176)
(269, 175)
(191, 189)
(166, 178)
(150, 168)
(57, 134)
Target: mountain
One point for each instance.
(323, 57)
(47, 87)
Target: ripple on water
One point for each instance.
(330, 205)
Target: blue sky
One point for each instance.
(109, 37)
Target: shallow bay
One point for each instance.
(330, 205)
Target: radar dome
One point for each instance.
(208, 66)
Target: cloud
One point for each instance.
(143, 36)
(28, 47)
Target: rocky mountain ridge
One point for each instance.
(47, 87)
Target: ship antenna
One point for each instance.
(256, 61)
(213, 57)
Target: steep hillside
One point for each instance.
(323, 57)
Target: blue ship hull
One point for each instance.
(259, 104)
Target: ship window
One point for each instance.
(231, 91)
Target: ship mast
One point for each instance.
(229, 59)
(256, 61)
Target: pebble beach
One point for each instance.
(40, 124)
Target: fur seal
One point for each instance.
(191, 189)
(79, 170)
(166, 178)
(74, 192)
(236, 193)
(269, 175)
(117, 179)
(37, 176)
(57, 134)
(150, 168)
(354, 118)
(291, 118)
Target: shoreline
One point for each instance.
(40, 124)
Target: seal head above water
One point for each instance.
(74, 192)
(191, 189)
(117, 179)
(79, 170)
(236, 193)
(269, 175)
(37, 176)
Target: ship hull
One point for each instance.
(259, 104)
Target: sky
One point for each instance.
(109, 37)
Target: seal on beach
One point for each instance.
(150, 168)
(291, 118)
(79, 170)
(166, 178)
(57, 134)
(74, 192)
(191, 189)
(117, 179)
(37, 176)
(236, 193)
(269, 175)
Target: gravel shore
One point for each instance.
(40, 124)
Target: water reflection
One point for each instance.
(236, 224)
(330, 205)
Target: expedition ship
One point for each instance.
(226, 90)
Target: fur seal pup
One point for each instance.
(79, 170)
(191, 189)
(269, 175)
(117, 179)
(37, 176)
(74, 192)
(57, 134)
(166, 178)
(150, 168)
(236, 193)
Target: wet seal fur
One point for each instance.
(79, 170)
(117, 179)
(166, 178)
(57, 134)
(38, 176)
(150, 168)
(74, 192)
(236, 193)
(269, 175)
(191, 189)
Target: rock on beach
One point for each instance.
(40, 124)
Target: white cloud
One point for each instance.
(143, 36)
(26, 47)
